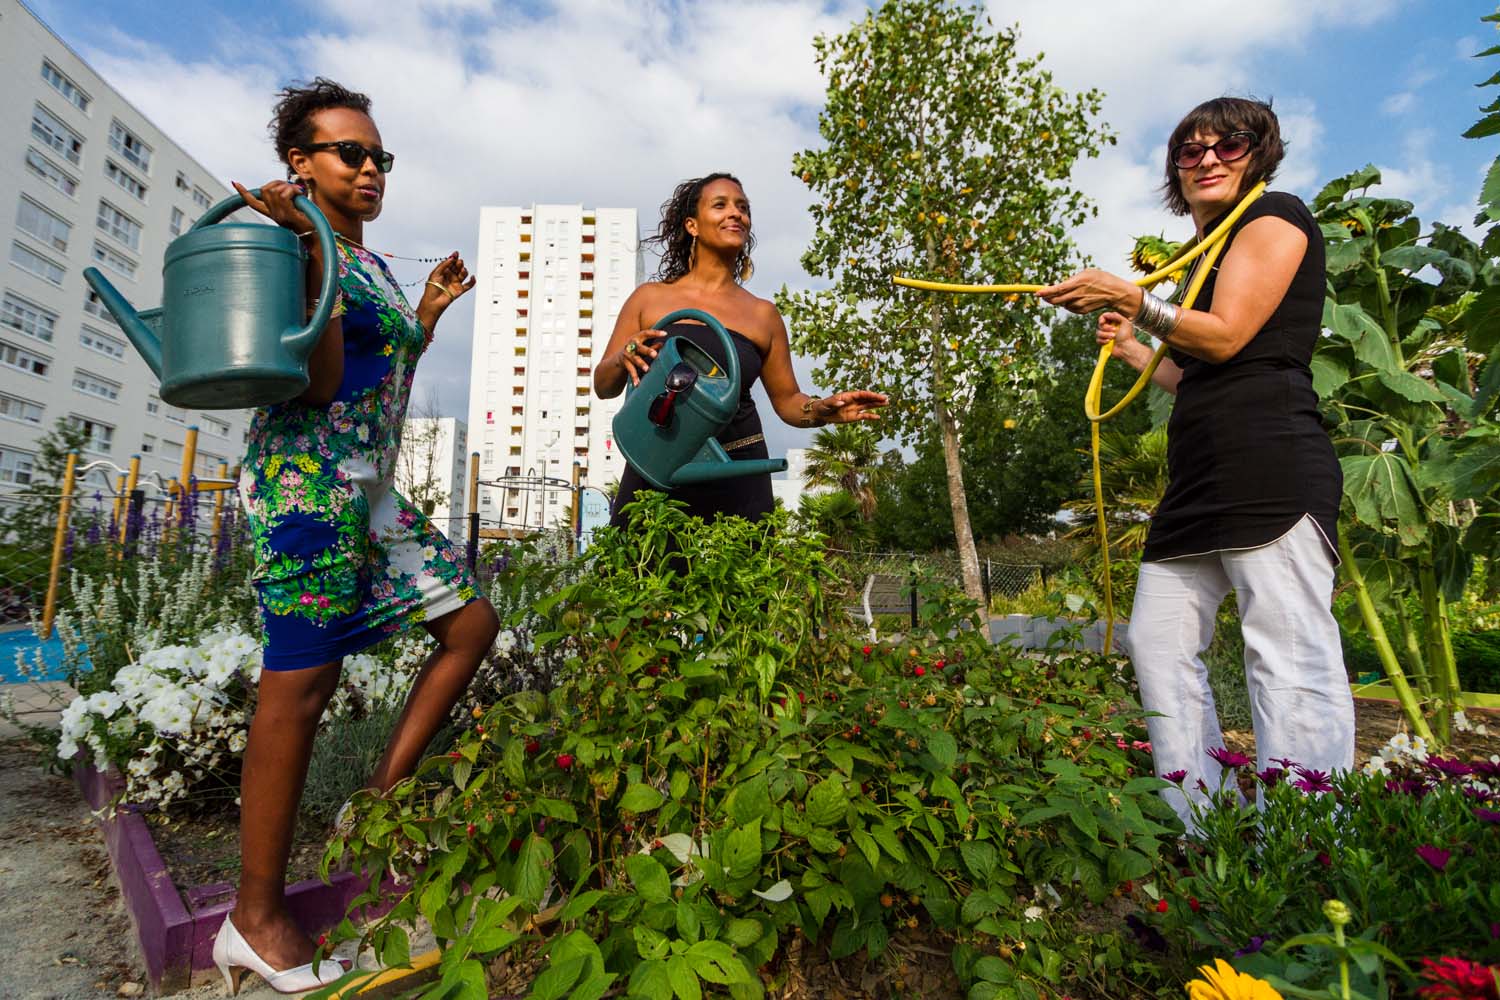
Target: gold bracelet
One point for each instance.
(440, 288)
(807, 414)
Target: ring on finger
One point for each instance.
(630, 347)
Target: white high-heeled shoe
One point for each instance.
(234, 957)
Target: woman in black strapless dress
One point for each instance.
(706, 244)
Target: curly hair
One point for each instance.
(291, 119)
(1221, 116)
(672, 235)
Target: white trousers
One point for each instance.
(1300, 702)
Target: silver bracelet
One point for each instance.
(1157, 317)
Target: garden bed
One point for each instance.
(204, 850)
(174, 926)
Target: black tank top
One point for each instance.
(1247, 455)
(745, 496)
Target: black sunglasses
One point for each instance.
(1234, 146)
(353, 154)
(680, 379)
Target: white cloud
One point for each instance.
(1399, 103)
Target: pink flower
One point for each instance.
(1140, 745)
(1270, 776)
(1229, 758)
(1434, 856)
(323, 603)
(1175, 777)
(307, 598)
(1310, 781)
(1453, 978)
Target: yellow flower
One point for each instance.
(1010, 424)
(305, 463)
(273, 466)
(1223, 982)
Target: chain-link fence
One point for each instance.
(1006, 579)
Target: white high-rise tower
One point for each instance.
(551, 280)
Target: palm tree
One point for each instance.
(846, 457)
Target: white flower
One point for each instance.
(1034, 912)
(1376, 765)
(237, 742)
(505, 641)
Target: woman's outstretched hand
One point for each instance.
(449, 280)
(849, 407)
(1091, 290)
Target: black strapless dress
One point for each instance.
(744, 496)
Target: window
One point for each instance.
(16, 467)
(125, 179)
(177, 415)
(101, 435)
(55, 135)
(171, 449)
(202, 198)
(27, 317)
(29, 260)
(148, 444)
(20, 358)
(23, 410)
(60, 83)
(34, 220)
(177, 220)
(129, 145)
(215, 426)
(51, 173)
(208, 463)
(94, 306)
(114, 260)
(108, 346)
(153, 404)
(182, 182)
(119, 226)
(92, 385)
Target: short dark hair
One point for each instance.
(672, 235)
(1221, 116)
(291, 119)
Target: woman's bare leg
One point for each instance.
(463, 636)
(274, 771)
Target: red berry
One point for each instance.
(940, 664)
(322, 940)
(515, 844)
(919, 670)
(867, 650)
(469, 829)
(855, 730)
(801, 698)
(781, 702)
(565, 761)
(532, 746)
(479, 729)
(1193, 904)
(653, 670)
(455, 755)
(1128, 885)
(1161, 906)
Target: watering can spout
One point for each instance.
(137, 326)
(713, 463)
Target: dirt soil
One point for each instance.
(63, 929)
(205, 849)
(1376, 721)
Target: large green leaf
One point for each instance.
(1371, 345)
(651, 881)
(1409, 386)
(1335, 190)
(641, 798)
(1482, 321)
(742, 851)
(826, 802)
(1384, 497)
(1329, 373)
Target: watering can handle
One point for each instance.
(731, 356)
(299, 342)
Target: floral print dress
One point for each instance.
(341, 559)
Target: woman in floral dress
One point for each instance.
(342, 559)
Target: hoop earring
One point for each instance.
(693, 254)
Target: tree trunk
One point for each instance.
(963, 532)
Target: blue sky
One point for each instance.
(610, 102)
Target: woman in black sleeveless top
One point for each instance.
(706, 244)
(1253, 488)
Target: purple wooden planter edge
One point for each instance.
(176, 940)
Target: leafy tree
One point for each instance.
(846, 457)
(946, 155)
(1489, 194)
(837, 517)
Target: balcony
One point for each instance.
(585, 326)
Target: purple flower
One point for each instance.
(1310, 781)
(1451, 767)
(1434, 856)
(1286, 763)
(1229, 758)
(1255, 945)
(1488, 768)
(1487, 815)
(1407, 786)
(1175, 777)
(1271, 776)
(1478, 794)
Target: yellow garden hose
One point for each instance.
(1209, 248)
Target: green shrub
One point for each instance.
(708, 780)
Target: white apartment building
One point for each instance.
(551, 280)
(433, 466)
(789, 486)
(86, 180)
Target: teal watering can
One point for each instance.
(668, 428)
(230, 332)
